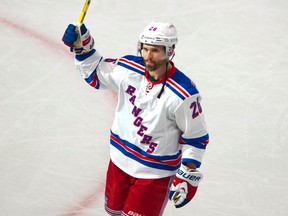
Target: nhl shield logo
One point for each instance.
(149, 85)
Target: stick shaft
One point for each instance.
(83, 12)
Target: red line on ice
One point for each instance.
(86, 202)
(59, 47)
(24, 29)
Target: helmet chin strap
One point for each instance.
(172, 56)
(164, 83)
(166, 74)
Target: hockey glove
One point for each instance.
(184, 186)
(78, 38)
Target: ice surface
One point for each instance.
(54, 129)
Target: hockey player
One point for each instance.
(159, 136)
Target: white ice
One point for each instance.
(54, 128)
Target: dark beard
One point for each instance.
(155, 65)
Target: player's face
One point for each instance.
(154, 57)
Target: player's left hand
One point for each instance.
(184, 186)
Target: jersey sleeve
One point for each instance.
(191, 121)
(99, 72)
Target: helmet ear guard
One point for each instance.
(170, 50)
(159, 34)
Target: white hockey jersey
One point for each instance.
(148, 133)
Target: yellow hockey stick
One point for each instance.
(80, 20)
(83, 12)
